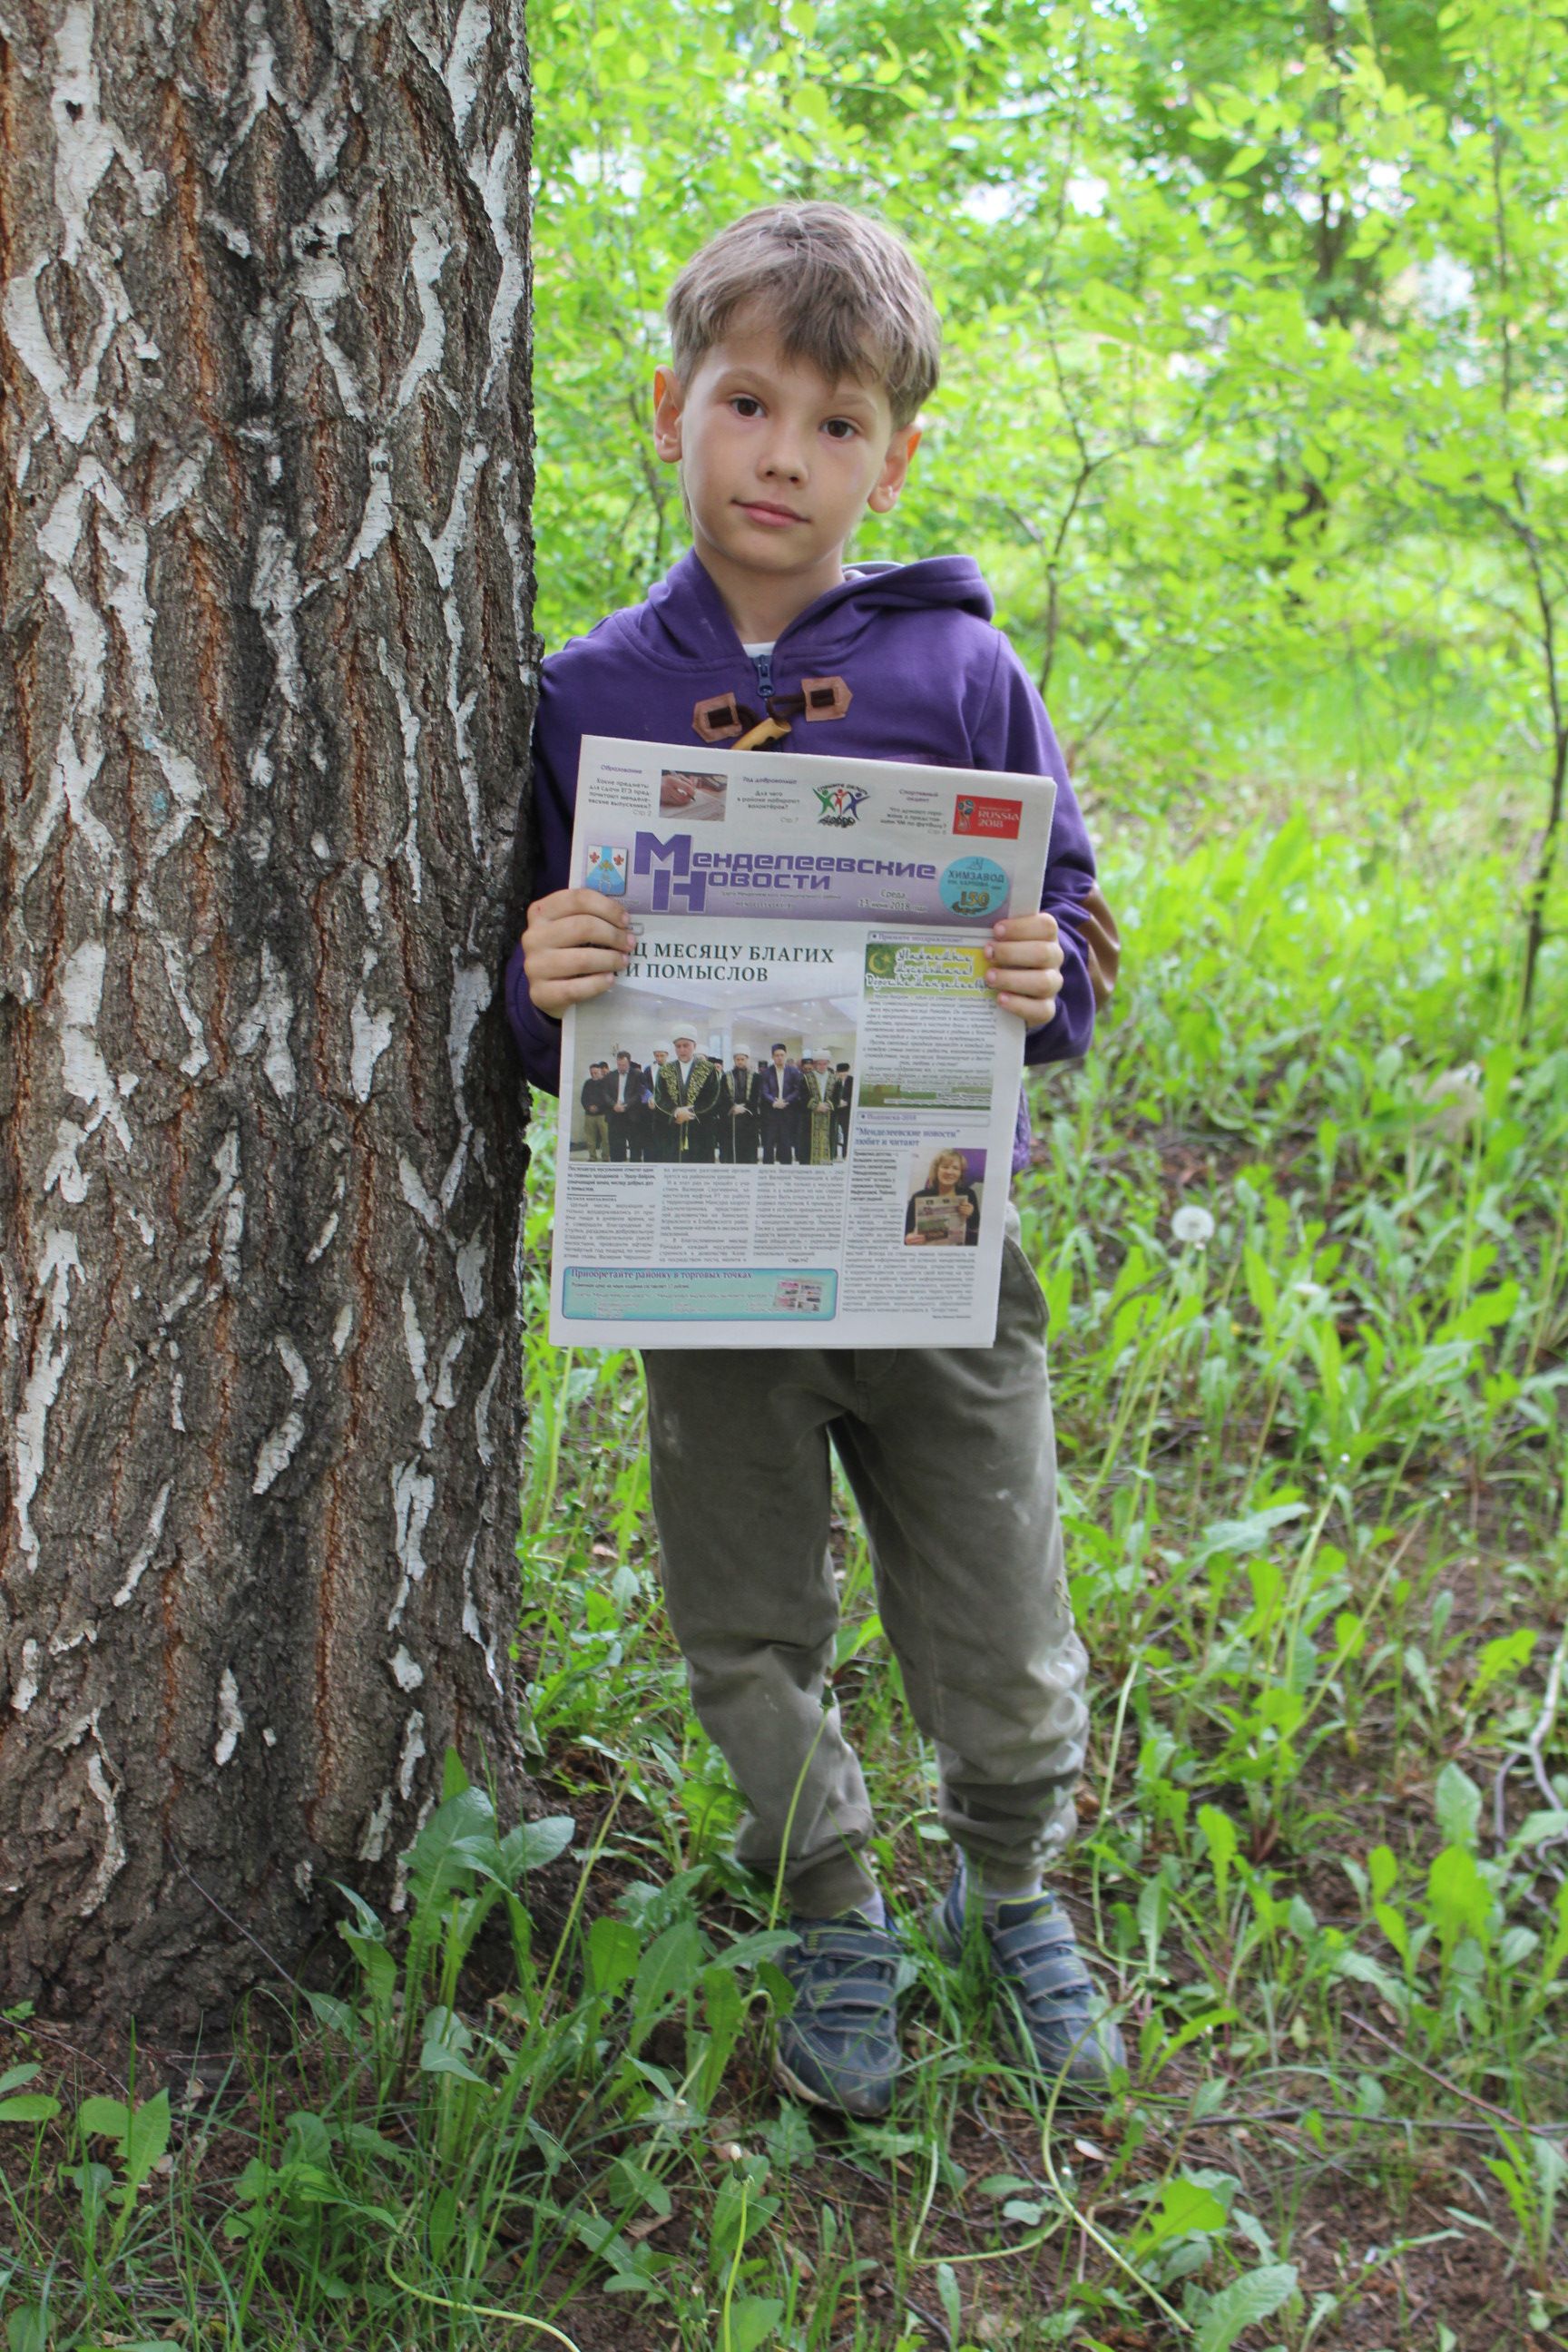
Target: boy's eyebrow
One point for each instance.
(846, 395)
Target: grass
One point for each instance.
(1303, 1225)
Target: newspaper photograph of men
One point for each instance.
(711, 1082)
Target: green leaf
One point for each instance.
(458, 1837)
(1218, 1833)
(1392, 1922)
(30, 2107)
(102, 2118)
(1242, 2304)
(644, 2188)
(1184, 2206)
(1458, 1802)
(667, 1972)
(789, 2139)
(380, 1968)
(748, 1951)
(612, 1948)
(147, 2139)
(442, 2222)
(1458, 1896)
(1251, 1533)
(1540, 1828)
(740, 2210)
(446, 2040)
(1505, 1656)
(751, 2323)
(1244, 160)
(329, 2010)
(435, 2058)
(534, 1843)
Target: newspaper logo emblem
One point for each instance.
(672, 883)
(973, 886)
(840, 804)
(1000, 819)
(605, 870)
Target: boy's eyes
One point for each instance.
(838, 429)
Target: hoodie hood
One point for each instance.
(684, 618)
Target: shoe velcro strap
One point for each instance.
(1041, 1963)
(822, 2001)
(868, 1948)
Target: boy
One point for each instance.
(803, 345)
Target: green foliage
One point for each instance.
(1254, 390)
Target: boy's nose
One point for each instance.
(783, 458)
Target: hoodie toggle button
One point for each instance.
(719, 719)
(825, 698)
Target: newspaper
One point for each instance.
(790, 1122)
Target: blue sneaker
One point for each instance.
(839, 2046)
(1058, 2026)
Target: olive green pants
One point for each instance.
(951, 1457)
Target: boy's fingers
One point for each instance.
(1037, 926)
(1041, 954)
(576, 932)
(592, 914)
(1032, 982)
(577, 902)
(561, 992)
(570, 963)
(575, 917)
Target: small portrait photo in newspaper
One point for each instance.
(945, 1187)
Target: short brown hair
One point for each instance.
(842, 291)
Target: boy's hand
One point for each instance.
(1024, 955)
(574, 943)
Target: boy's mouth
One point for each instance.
(763, 510)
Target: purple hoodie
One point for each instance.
(931, 681)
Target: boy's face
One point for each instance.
(778, 463)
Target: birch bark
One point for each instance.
(265, 676)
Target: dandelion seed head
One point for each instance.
(1192, 1223)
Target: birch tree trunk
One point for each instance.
(265, 690)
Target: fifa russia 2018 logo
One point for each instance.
(840, 804)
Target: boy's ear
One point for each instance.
(895, 469)
(667, 399)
